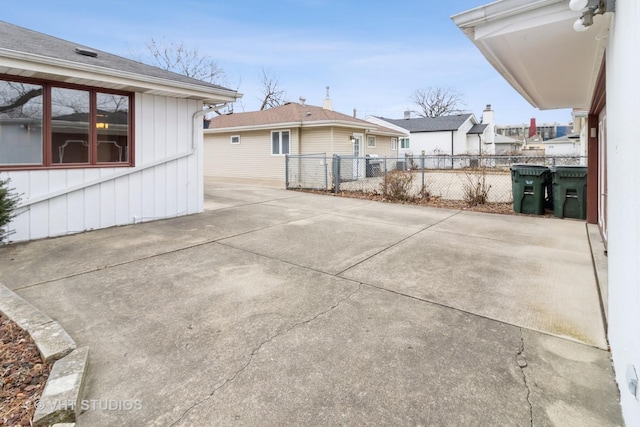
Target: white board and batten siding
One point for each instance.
(159, 186)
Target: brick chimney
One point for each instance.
(533, 131)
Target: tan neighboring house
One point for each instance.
(253, 145)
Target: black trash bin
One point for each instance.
(372, 165)
(529, 184)
(570, 191)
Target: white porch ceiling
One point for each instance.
(535, 48)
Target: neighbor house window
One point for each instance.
(43, 124)
(404, 142)
(235, 139)
(371, 141)
(280, 142)
(394, 143)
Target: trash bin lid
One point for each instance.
(530, 170)
(527, 165)
(570, 171)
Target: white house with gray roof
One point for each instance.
(92, 140)
(456, 134)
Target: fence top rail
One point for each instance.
(442, 156)
(308, 155)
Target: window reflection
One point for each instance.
(112, 123)
(20, 123)
(70, 125)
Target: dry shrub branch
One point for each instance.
(475, 187)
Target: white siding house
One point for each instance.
(88, 170)
(594, 70)
(568, 145)
(445, 135)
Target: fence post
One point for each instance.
(286, 171)
(336, 173)
(326, 173)
(422, 167)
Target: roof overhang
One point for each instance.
(533, 45)
(307, 124)
(41, 67)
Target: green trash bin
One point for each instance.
(528, 185)
(570, 191)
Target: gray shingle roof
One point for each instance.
(478, 128)
(431, 124)
(293, 112)
(19, 39)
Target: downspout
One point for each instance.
(452, 149)
(197, 115)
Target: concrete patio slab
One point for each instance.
(241, 315)
(327, 243)
(80, 253)
(376, 360)
(570, 384)
(167, 336)
(551, 291)
(325, 203)
(410, 216)
(544, 232)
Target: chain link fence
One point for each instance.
(464, 177)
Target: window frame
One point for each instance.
(47, 126)
(394, 143)
(235, 136)
(280, 132)
(404, 139)
(369, 139)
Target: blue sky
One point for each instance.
(372, 54)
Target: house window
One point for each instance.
(371, 141)
(394, 143)
(235, 139)
(404, 143)
(43, 125)
(280, 142)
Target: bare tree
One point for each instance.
(184, 60)
(272, 94)
(435, 102)
(14, 96)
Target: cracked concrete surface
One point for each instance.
(283, 308)
(521, 361)
(253, 353)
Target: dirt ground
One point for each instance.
(23, 375)
(499, 208)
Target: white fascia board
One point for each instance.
(386, 133)
(65, 70)
(336, 123)
(381, 122)
(314, 124)
(499, 10)
(530, 18)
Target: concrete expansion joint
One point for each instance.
(257, 349)
(67, 376)
(521, 361)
